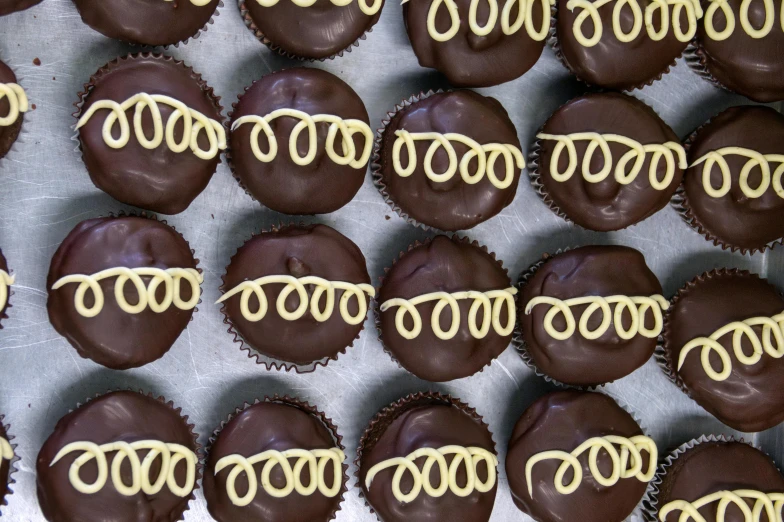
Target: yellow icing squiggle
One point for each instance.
(197, 3)
(729, 16)
(763, 161)
(6, 451)
(769, 503)
(6, 280)
(369, 10)
(17, 102)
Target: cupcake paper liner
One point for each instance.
(11, 465)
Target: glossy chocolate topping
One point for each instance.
(606, 205)
(454, 204)
(319, 187)
(8, 134)
(298, 251)
(117, 416)
(442, 265)
(160, 179)
(750, 400)
(115, 338)
(4, 266)
(469, 60)
(263, 427)
(563, 420)
(735, 219)
(12, 6)
(5, 469)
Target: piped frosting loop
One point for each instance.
(6, 451)
(197, 3)
(6, 280)
(745, 22)
(771, 504)
(756, 160)
(366, 8)
(17, 102)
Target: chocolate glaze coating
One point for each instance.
(114, 338)
(718, 466)
(4, 266)
(442, 265)
(563, 420)
(159, 180)
(5, 470)
(261, 427)
(298, 251)
(8, 134)
(468, 60)
(606, 205)
(12, 6)
(116, 416)
(750, 400)
(320, 187)
(735, 219)
(590, 270)
(146, 22)
(454, 204)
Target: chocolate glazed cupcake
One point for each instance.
(146, 165)
(13, 105)
(7, 463)
(12, 6)
(6, 280)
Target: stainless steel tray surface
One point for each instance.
(45, 191)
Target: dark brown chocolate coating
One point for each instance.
(563, 420)
(114, 338)
(735, 219)
(4, 267)
(606, 205)
(262, 427)
(5, 470)
(298, 251)
(322, 186)
(9, 133)
(117, 416)
(710, 467)
(12, 6)
(750, 400)
(469, 60)
(454, 204)
(159, 180)
(442, 265)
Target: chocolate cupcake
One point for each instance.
(125, 452)
(447, 36)
(436, 160)
(732, 192)
(7, 458)
(579, 456)
(606, 161)
(122, 289)
(12, 6)
(296, 451)
(13, 105)
(6, 280)
(723, 346)
(446, 309)
(297, 296)
(300, 141)
(149, 22)
(428, 457)
(177, 134)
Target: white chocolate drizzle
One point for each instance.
(6, 280)
(193, 121)
(772, 331)
(769, 503)
(17, 102)
(756, 159)
(316, 460)
(6, 451)
(170, 278)
(636, 306)
(170, 455)
(486, 156)
(470, 457)
(491, 304)
(197, 3)
(626, 464)
(293, 284)
(347, 129)
(369, 10)
(748, 27)
(637, 153)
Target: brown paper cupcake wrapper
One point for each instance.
(11, 465)
(697, 62)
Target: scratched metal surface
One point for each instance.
(45, 192)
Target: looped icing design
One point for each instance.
(347, 129)
(745, 23)
(193, 121)
(772, 331)
(636, 306)
(771, 504)
(6, 280)
(756, 159)
(637, 154)
(368, 9)
(316, 460)
(293, 284)
(470, 457)
(491, 303)
(486, 156)
(6, 451)
(197, 3)
(17, 102)
(170, 278)
(627, 463)
(170, 455)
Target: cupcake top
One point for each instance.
(75, 468)
(722, 344)
(449, 160)
(122, 289)
(607, 161)
(12, 6)
(300, 141)
(6, 280)
(733, 193)
(13, 105)
(591, 315)
(581, 436)
(150, 131)
(285, 441)
(447, 309)
(6, 456)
